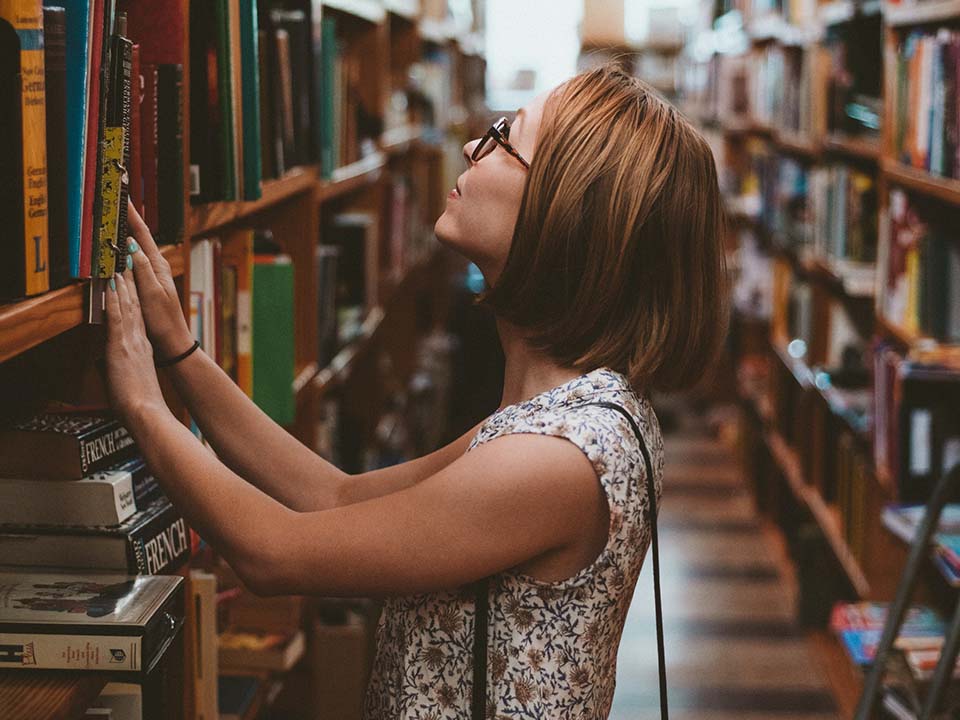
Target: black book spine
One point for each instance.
(12, 280)
(160, 545)
(55, 78)
(104, 446)
(170, 152)
(119, 116)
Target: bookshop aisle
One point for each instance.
(733, 648)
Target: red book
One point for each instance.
(148, 146)
(136, 169)
(158, 26)
(93, 139)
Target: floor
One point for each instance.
(732, 648)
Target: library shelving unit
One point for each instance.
(48, 352)
(772, 90)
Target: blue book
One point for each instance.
(78, 39)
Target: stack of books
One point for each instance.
(860, 625)
(75, 494)
(903, 521)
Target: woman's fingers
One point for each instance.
(114, 313)
(141, 233)
(142, 268)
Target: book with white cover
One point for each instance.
(107, 497)
(101, 622)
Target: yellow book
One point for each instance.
(26, 19)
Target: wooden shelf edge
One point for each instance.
(942, 188)
(798, 144)
(348, 178)
(326, 379)
(842, 675)
(48, 694)
(208, 217)
(24, 324)
(853, 146)
(370, 10)
(398, 140)
(406, 9)
(897, 15)
(787, 459)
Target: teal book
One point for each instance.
(273, 357)
(328, 51)
(79, 34)
(250, 79)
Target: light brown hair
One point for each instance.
(617, 257)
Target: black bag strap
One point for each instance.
(482, 589)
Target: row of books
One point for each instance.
(77, 495)
(927, 124)
(920, 281)
(782, 94)
(103, 124)
(916, 428)
(904, 520)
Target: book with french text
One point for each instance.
(153, 540)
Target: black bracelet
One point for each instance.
(174, 360)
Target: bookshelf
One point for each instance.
(821, 431)
(392, 170)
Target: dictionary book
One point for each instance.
(23, 159)
(151, 541)
(106, 623)
(62, 447)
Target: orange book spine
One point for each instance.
(26, 18)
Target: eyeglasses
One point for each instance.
(499, 132)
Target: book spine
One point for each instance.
(148, 149)
(25, 17)
(170, 152)
(245, 316)
(163, 544)
(146, 489)
(136, 103)
(91, 139)
(78, 84)
(104, 447)
(250, 91)
(228, 189)
(55, 70)
(40, 651)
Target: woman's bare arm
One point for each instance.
(255, 447)
(506, 502)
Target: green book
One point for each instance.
(225, 93)
(250, 78)
(273, 357)
(328, 50)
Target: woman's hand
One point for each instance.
(132, 384)
(162, 315)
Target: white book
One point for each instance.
(103, 498)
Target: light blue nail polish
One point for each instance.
(132, 247)
(113, 284)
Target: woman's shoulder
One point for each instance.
(579, 407)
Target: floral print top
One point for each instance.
(552, 645)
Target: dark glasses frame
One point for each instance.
(499, 132)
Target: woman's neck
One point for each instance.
(527, 371)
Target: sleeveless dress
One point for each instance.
(552, 645)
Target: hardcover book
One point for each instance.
(55, 68)
(153, 540)
(62, 447)
(97, 622)
(23, 159)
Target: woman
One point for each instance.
(595, 218)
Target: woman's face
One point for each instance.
(482, 210)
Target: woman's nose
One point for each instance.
(468, 151)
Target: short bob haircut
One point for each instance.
(617, 256)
